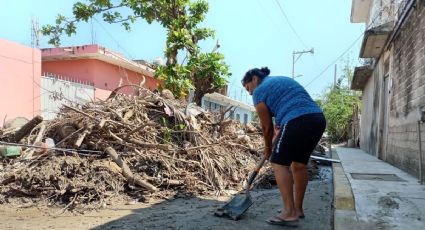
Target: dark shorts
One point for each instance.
(298, 138)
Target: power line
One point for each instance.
(348, 49)
(283, 34)
(19, 60)
(333, 62)
(112, 37)
(289, 23)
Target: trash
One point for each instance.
(194, 110)
(168, 111)
(251, 128)
(167, 94)
(40, 148)
(10, 151)
(50, 143)
(16, 122)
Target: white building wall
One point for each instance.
(217, 106)
(367, 113)
(56, 92)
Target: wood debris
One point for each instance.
(151, 146)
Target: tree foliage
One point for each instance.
(205, 72)
(337, 103)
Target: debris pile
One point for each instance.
(140, 146)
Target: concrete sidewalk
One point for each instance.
(385, 197)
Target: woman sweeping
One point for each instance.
(301, 125)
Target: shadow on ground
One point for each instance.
(197, 213)
(193, 213)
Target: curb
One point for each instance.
(345, 216)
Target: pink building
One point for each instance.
(21, 80)
(99, 66)
(20, 73)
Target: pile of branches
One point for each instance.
(133, 146)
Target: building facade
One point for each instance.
(216, 102)
(103, 68)
(392, 80)
(37, 81)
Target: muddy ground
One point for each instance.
(193, 213)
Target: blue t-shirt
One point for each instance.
(285, 98)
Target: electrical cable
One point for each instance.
(333, 62)
(52, 148)
(289, 23)
(279, 28)
(112, 37)
(348, 49)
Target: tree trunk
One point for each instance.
(26, 129)
(197, 97)
(202, 87)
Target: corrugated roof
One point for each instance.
(229, 101)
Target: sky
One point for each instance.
(252, 33)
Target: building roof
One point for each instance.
(374, 40)
(229, 101)
(360, 77)
(95, 52)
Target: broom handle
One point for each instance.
(256, 171)
(257, 168)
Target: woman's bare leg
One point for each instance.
(300, 177)
(285, 183)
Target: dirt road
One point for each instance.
(193, 213)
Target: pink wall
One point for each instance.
(20, 72)
(106, 77)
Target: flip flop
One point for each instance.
(282, 222)
(301, 217)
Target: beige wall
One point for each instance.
(371, 113)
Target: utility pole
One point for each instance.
(35, 43)
(296, 55)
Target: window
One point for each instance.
(232, 114)
(245, 118)
(238, 117)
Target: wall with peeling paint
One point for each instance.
(396, 140)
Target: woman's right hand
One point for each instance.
(268, 152)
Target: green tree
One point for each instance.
(337, 103)
(205, 72)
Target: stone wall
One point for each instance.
(407, 73)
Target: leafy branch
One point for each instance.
(205, 72)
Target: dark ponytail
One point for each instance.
(260, 73)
